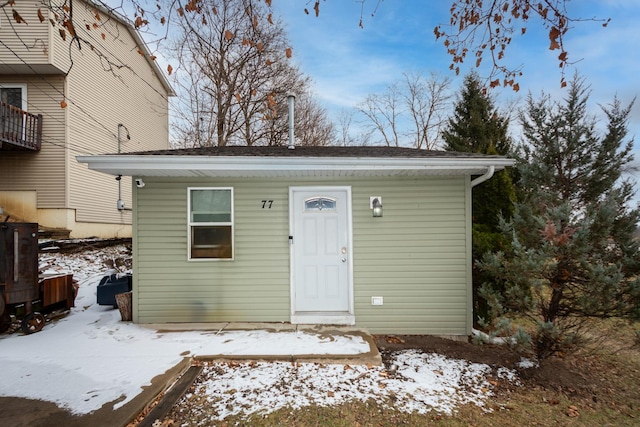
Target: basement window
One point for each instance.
(210, 223)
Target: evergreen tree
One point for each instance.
(572, 255)
(476, 127)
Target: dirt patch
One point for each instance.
(489, 354)
(564, 374)
(561, 374)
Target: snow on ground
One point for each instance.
(418, 383)
(90, 357)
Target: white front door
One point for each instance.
(321, 288)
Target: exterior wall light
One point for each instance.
(375, 204)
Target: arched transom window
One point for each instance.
(316, 204)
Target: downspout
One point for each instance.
(291, 97)
(482, 178)
(479, 180)
(120, 202)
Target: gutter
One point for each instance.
(482, 178)
(113, 163)
(246, 166)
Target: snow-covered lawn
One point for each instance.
(414, 382)
(90, 358)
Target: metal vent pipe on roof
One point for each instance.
(291, 98)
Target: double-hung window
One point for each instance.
(210, 223)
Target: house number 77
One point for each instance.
(266, 204)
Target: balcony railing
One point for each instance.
(19, 130)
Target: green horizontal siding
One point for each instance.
(415, 256)
(252, 287)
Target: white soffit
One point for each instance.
(246, 166)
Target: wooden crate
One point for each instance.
(58, 288)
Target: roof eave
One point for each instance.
(160, 165)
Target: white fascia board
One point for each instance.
(170, 164)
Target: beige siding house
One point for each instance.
(60, 98)
(374, 237)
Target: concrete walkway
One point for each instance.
(286, 346)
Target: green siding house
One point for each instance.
(375, 237)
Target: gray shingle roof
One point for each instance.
(243, 161)
(307, 151)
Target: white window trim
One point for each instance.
(23, 87)
(191, 224)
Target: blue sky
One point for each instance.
(347, 63)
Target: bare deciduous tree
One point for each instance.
(410, 112)
(382, 112)
(234, 81)
(312, 124)
(345, 135)
(228, 84)
(345, 119)
(479, 29)
(426, 101)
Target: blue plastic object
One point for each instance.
(110, 286)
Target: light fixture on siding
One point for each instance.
(375, 204)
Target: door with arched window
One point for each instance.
(321, 287)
